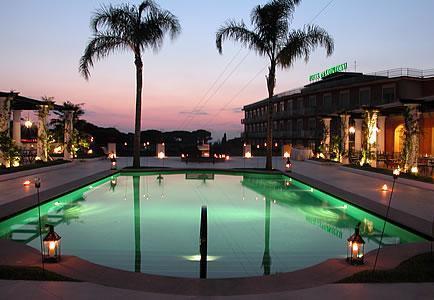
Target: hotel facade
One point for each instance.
(313, 115)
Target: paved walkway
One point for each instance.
(81, 290)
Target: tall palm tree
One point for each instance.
(273, 38)
(134, 28)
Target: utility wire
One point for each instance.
(219, 87)
(321, 11)
(235, 96)
(195, 108)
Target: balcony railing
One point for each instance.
(409, 72)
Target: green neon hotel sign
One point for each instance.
(338, 68)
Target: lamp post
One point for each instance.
(38, 186)
(396, 173)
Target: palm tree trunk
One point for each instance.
(271, 80)
(137, 129)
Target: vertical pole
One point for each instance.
(37, 186)
(384, 225)
(432, 234)
(203, 242)
(137, 252)
(266, 259)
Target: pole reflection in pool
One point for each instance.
(138, 253)
(266, 259)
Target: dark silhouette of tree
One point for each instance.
(134, 28)
(273, 38)
(58, 123)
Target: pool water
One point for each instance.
(258, 224)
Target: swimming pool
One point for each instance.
(258, 224)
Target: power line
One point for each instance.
(219, 87)
(212, 86)
(236, 95)
(321, 11)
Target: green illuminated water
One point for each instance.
(257, 224)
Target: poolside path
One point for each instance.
(15, 289)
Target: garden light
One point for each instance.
(51, 250)
(356, 247)
(288, 165)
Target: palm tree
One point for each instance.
(272, 37)
(129, 27)
(58, 122)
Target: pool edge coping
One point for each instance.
(326, 272)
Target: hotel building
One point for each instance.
(300, 115)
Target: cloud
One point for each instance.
(194, 113)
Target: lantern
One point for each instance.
(414, 170)
(51, 250)
(28, 124)
(356, 247)
(113, 161)
(288, 165)
(396, 173)
(385, 188)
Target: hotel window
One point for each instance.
(275, 107)
(327, 100)
(388, 94)
(281, 125)
(344, 99)
(282, 106)
(312, 123)
(290, 106)
(289, 125)
(312, 101)
(364, 96)
(299, 125)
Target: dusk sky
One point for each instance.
(43, 40)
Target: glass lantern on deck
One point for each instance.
(288, 165)
(51, 250)
(356, 248)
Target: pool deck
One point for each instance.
(16, 289)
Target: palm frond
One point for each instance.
(121, 18)
(147, 6)
(101, 45)
(155, 26)
(239, 32)
(272, 20)
(301, 43)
